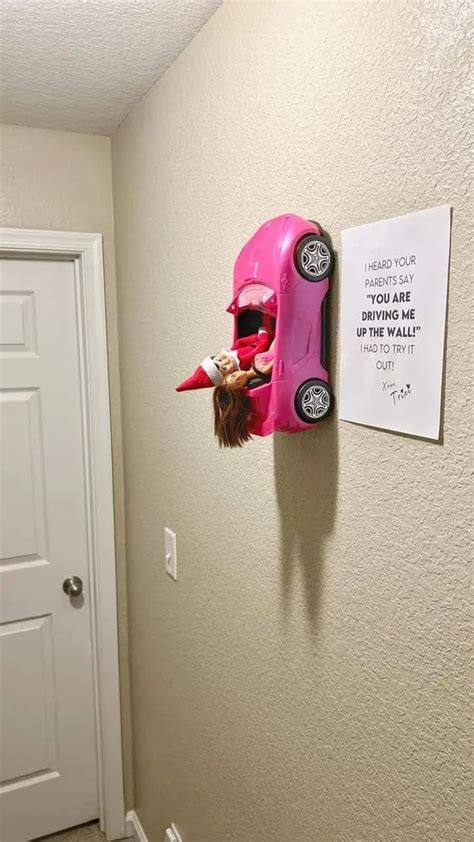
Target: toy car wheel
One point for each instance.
(314, 258)
(313, 401)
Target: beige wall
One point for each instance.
(62, 181)
(306, 678)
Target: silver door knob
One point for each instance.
(72, 585)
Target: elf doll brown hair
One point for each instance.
(231, 414)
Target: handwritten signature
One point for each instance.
(397, 394)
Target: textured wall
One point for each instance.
(306, 678)
(62, 181)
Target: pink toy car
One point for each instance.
(284, 270)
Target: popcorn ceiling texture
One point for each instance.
(82, 65)
(307, 677)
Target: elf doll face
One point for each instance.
(225, 364)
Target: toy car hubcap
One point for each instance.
(315, 402)
(315, 258)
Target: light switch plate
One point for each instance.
(171, 561)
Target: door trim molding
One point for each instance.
(85, 250)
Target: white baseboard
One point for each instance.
(134, 828)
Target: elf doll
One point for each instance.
(230, 372)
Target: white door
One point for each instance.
(48, 765)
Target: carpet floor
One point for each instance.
(85, 833)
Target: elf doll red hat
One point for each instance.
(212, 371)
(206, 375)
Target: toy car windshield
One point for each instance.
(254, 297)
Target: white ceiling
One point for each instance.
(81, 65)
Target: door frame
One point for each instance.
(85, 250)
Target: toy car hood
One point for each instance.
(262, 259)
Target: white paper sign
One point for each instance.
(393, 312)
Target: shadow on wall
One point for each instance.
(306, 479)
(306, 468)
